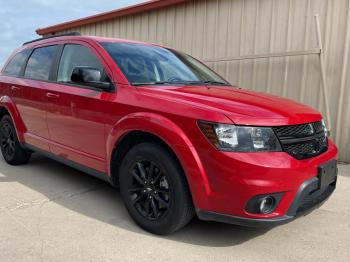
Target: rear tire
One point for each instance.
(11, 149)
(154, 189)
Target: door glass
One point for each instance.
(14, 67)
(40, 62)
(76, 56)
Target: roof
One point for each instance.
(75, 36)
(147, 6)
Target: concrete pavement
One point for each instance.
(50, 212)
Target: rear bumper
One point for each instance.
(307, 198)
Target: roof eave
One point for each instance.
(150, 5)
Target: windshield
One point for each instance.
(152, 65)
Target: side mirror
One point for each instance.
(89, 76)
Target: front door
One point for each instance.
(76, 113)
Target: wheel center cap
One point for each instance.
(148, 189)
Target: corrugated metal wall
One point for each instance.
(216, 29)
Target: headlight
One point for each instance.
(325, 129)
(240, 138)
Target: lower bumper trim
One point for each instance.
(242, 221)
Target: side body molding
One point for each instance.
(7, 103)
(175, 138)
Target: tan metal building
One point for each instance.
(264, 45)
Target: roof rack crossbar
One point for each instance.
(52, 36)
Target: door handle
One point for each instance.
(15, 88)
(52, 95)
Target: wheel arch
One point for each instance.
(8, 107)
(149, 127)
(128, 141)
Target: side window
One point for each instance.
(76, 56)
(40, 62)
(14, 67)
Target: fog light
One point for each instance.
(263, 204)
(267, 204)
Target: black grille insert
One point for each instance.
(303, 141)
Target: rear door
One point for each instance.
(26, 77)
(37, 76)
(76, 116)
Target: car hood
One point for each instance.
(242, 106)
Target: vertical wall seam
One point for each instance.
(305, 59)
(194, 19)
(227, 64)
(255, 43)
(174, 28)
(271, 46)
(286, 67)
(204, 46)
(216, 27)
(241, 43)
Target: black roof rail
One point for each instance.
(53, 36)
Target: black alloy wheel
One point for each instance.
(7, 141)
(154, 189)
(149, 189)
(13, 152)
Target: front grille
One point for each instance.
(294, 131)
(303, 141)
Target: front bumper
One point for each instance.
(307, 198)
(235, 178)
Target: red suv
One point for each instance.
(174, 136)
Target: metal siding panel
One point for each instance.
(109, 26)
(199, 32)
(160, 27)
(169, 27)
(179, 27)
(116, 28)
(144, 27)
(188, 28)
(137, 27)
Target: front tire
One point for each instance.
(154, 189)
(11, 149)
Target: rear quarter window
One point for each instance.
(14, 67)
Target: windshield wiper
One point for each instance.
(167, 82)
(180, 82)
(215, 83)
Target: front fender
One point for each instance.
(175, 138)
(7, 103)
